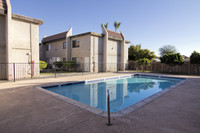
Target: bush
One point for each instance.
(58, 64)
(43, 65)
(195, 58)
(69, 64)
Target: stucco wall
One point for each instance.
(68, 44)
(35, 42)
(126, 55)
(56, 50)
(113, 59)
(25, 40)
(35, 48)
(84, 49)
(97, 53)
(83, 52)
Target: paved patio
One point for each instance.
(24, 109)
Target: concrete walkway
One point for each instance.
(27, 110)
(43, 81)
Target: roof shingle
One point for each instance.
(113, 34)
(54, 37)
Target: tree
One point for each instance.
(135, 53)
(116, 25)
(167, 49)
(143, 62)
(105, 25)
(43, 65)
(172, 59)
(195, 58)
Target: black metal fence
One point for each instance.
(19, 71)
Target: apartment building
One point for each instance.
(105, 52)
(19, 37)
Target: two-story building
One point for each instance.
(19, 38)
(106, 52)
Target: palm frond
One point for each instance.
(116, 25)
(105, 25)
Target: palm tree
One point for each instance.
(105, 25)
(116, 25)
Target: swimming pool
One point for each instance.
(124, 91)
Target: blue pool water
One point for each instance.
(123, 92)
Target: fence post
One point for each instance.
(82, 68)
(55, 71)
(102, 67)
(31, 69)
(108, 106)
(14, 71)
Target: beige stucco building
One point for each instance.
(105, 52)
(19, 37)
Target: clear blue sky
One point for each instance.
(153, 23)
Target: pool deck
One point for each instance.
(26, 109)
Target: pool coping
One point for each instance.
(99, 112)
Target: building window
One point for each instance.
(47, 47)
(48, 60)
(75, 43)
(74, 59)
(64, 59)
(64, 45)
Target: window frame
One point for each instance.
(64, 59)
(64, 45)
(75, 43)
(74, 59)
(48, 47)
(48, 60)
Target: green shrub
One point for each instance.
(58, 64)
(43, 65)
(69, 64)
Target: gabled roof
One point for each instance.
(114, 35)
(3, 6)
(59, 36)
(54, 37)
(86, 33)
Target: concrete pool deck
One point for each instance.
(26, 109)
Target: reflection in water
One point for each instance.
(137, 87)
(166, 84)
(124, 92)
